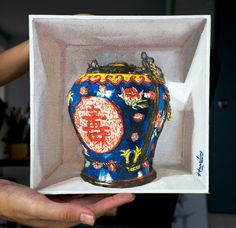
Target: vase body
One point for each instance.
(118, 114)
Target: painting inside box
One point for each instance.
(118, 111)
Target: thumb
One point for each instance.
(87, 218)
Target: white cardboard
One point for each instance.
(61, 47)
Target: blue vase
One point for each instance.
(118, 111)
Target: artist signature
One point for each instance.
(200, 167)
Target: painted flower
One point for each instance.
(150, 94)
(97, 165)
(140, 174)
(159, 121)
(83, 90)
(102, 89)
(145, 164)
(164, 97)
(158, 117)
(111, 166)
(134, 136)
(133, 98)
(132, 93)
(138, 117)
(87, 164)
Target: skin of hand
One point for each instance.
(14, 62)
(26, 206)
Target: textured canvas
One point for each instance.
(60, 49)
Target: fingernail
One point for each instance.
(132, 198)
(87, 219)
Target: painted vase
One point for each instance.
(118, 111)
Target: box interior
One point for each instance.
(62, 46)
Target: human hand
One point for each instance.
(26, 206)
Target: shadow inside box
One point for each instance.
(164, 171)
(66, 178)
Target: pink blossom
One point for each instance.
(134, 136)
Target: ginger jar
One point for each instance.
(118, 111)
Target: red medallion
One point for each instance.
(99, 123)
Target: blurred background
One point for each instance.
(217, 209)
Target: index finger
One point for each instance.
(110, 202)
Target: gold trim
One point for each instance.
(115, 79)
(161, 80)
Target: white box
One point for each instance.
(61, 47)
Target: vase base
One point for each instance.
(121, 184)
